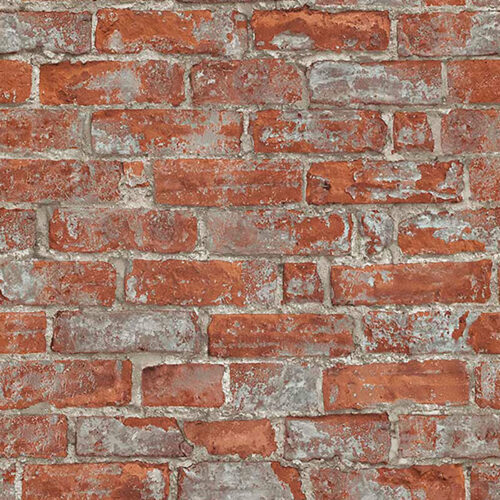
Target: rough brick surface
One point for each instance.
(250, 250)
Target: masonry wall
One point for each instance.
(249, 250)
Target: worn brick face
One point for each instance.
(249, 250)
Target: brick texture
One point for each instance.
(250, 250)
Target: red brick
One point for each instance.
(301, 283)
(474, 81)
(484, 174)
(371, 181)
(471, 131)
(233, 437)
(305, 28)
(135, 174)
(451, 436)
(439, 34)
(273, 388)
(357, 438)
(17, 230)
(22, 332)
(59, 32)
(108, 229)
(106, 481)
(194, 384)
(111, 82)
(449, 233)
(421, 332)
(201, 283)
(185, 32)
(228, 182)
(441, 382)
(231, 480)
(270, 335)
(317, 131)
(412, 132)
(15, 81)
(40, 436)
(168, 131)
(88, 383)
(277, 232)
(39, 129)
(66, 180)
(57, 283)
(393, 4)
(126, 331)
(485, 481)
(243, 82)
(428, 482)
(488, 385)
(483, 333)
(393, 82)
(130, 437)
(416, 283)
(377, 228)
(7, 482)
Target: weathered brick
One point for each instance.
(59, 32)
(421, 332)
(371, 181)
(105, 481)
(278, 232)
(17, 230)
(416, 283)
(88, 383)
(301, 283)
(228, 481)
(488, 384)
(483, 333)
(364, 386)
(357, 438)
(452, 436)
(485, 481)
(377, 228)
(7, 482)
(130, 437)
(394, 82)
(201, 283)
(450, 232)
(273, 388)
(270, 335)
(428, 482)
(108, 229)
(111, 82)
(53, 180)
(471, 131)
(57, 283)
(41, 436)
(474, 81)
(318, 131)
(199, 182)
(484, 175)
(176, 332)
(393, 4)
(22, 332)
(412, 132)
(305, 28)
(39, 129)
(440, 34)
(194, 384)
(233, 437)
(136, 131)
(126, 31)
(15, 80)
(250, 81)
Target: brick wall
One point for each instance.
(249, 250)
